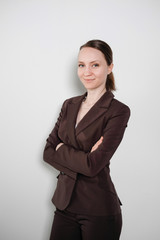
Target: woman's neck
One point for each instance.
(93, 95)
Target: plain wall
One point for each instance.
(39, 43)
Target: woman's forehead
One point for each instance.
(90, 54)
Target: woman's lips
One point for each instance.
(88, 80)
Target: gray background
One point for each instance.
(39, 44)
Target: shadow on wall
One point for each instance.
(74, 82)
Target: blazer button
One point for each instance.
(62, 173)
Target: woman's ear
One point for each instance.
(110, 67)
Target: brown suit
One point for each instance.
(84, 184)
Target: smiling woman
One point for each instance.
(88, 132)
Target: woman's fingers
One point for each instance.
(59, 145)
(100, 140)
(97, 144)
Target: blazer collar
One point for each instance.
(94, 113)
(104, 101)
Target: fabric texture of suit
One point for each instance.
(84, 184)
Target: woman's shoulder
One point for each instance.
(119, 106)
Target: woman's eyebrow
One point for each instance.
(90, 62)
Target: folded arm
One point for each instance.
(91, 163)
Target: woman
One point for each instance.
(87, 133)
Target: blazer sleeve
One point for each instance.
(90, 164)
(52, 142)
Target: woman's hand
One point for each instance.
(59, 145)
(96, 145)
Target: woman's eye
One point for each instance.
(81, 65)
(95, 65)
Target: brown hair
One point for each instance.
(107, 52)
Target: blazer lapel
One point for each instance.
(95, 112)
(72, 111)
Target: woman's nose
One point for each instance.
(87, 71)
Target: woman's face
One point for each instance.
(92, 68)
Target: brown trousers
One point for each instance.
(72, 226)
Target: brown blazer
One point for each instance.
(84, 184)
